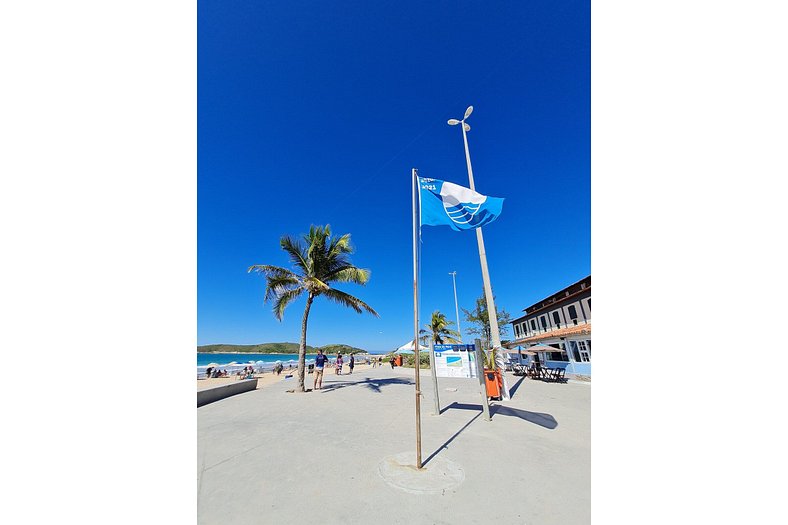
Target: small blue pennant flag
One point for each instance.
(447, 204)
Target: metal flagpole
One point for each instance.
(493, 314)
(416, 211)
(456, 309)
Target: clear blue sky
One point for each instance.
(315, 113)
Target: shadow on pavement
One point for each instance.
(543, 420)
(515, 387)
(372, 384)
(446, 444)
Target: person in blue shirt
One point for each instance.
(320, 363)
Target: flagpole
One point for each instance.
(493, 314)
(415, 184)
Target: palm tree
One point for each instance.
(320, 261)
(438, 330)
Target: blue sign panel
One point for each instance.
(453, 348)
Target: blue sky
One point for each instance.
(315, 113)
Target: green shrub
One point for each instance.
(410, 360)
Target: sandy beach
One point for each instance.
(269, 378)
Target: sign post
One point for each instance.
(434, 378)
(482, 387)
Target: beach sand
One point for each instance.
(269, 378)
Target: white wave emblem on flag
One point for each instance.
(460, 203)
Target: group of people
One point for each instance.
(213, 371)
(246, 373)
(340, 362)
(321, 360)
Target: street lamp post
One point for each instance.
(456, 309)
(495, 333)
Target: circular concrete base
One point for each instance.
(440, 474)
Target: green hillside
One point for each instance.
(345, 349)
(276, 348)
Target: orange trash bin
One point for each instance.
(493, 382)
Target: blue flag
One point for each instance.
(447, 204)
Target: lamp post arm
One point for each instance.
(467, 156)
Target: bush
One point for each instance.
(410, 360)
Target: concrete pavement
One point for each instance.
(268, 456)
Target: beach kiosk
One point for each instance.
(407, 348)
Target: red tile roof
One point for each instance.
(581, 329)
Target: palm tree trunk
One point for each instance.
(302, 346)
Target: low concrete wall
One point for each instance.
(209, 395)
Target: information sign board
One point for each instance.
(455, 361)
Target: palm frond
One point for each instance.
(284, 299)
(277, 279)
(277, 285)
(267, 269)
(349, 274)
(341, 245)
(316, 246)
(297, 253)
(348, 300)
(315, 285)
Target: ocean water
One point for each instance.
(236, 362)
(245, 359)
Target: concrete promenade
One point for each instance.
(269, 456)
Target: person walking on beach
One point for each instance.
(338, 369)
(391, 361)
(320, 363)
(352, 363)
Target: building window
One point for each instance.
(557, 319)
(575, 352)
(533, 325)
(585, 351)
(573, 313)
(543, 320)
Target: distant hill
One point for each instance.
(277, 348)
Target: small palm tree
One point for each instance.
(438, 330)
(319, 261)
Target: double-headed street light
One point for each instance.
(495, 334)
(465, 129)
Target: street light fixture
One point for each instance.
(496, 335)
(456, 309)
